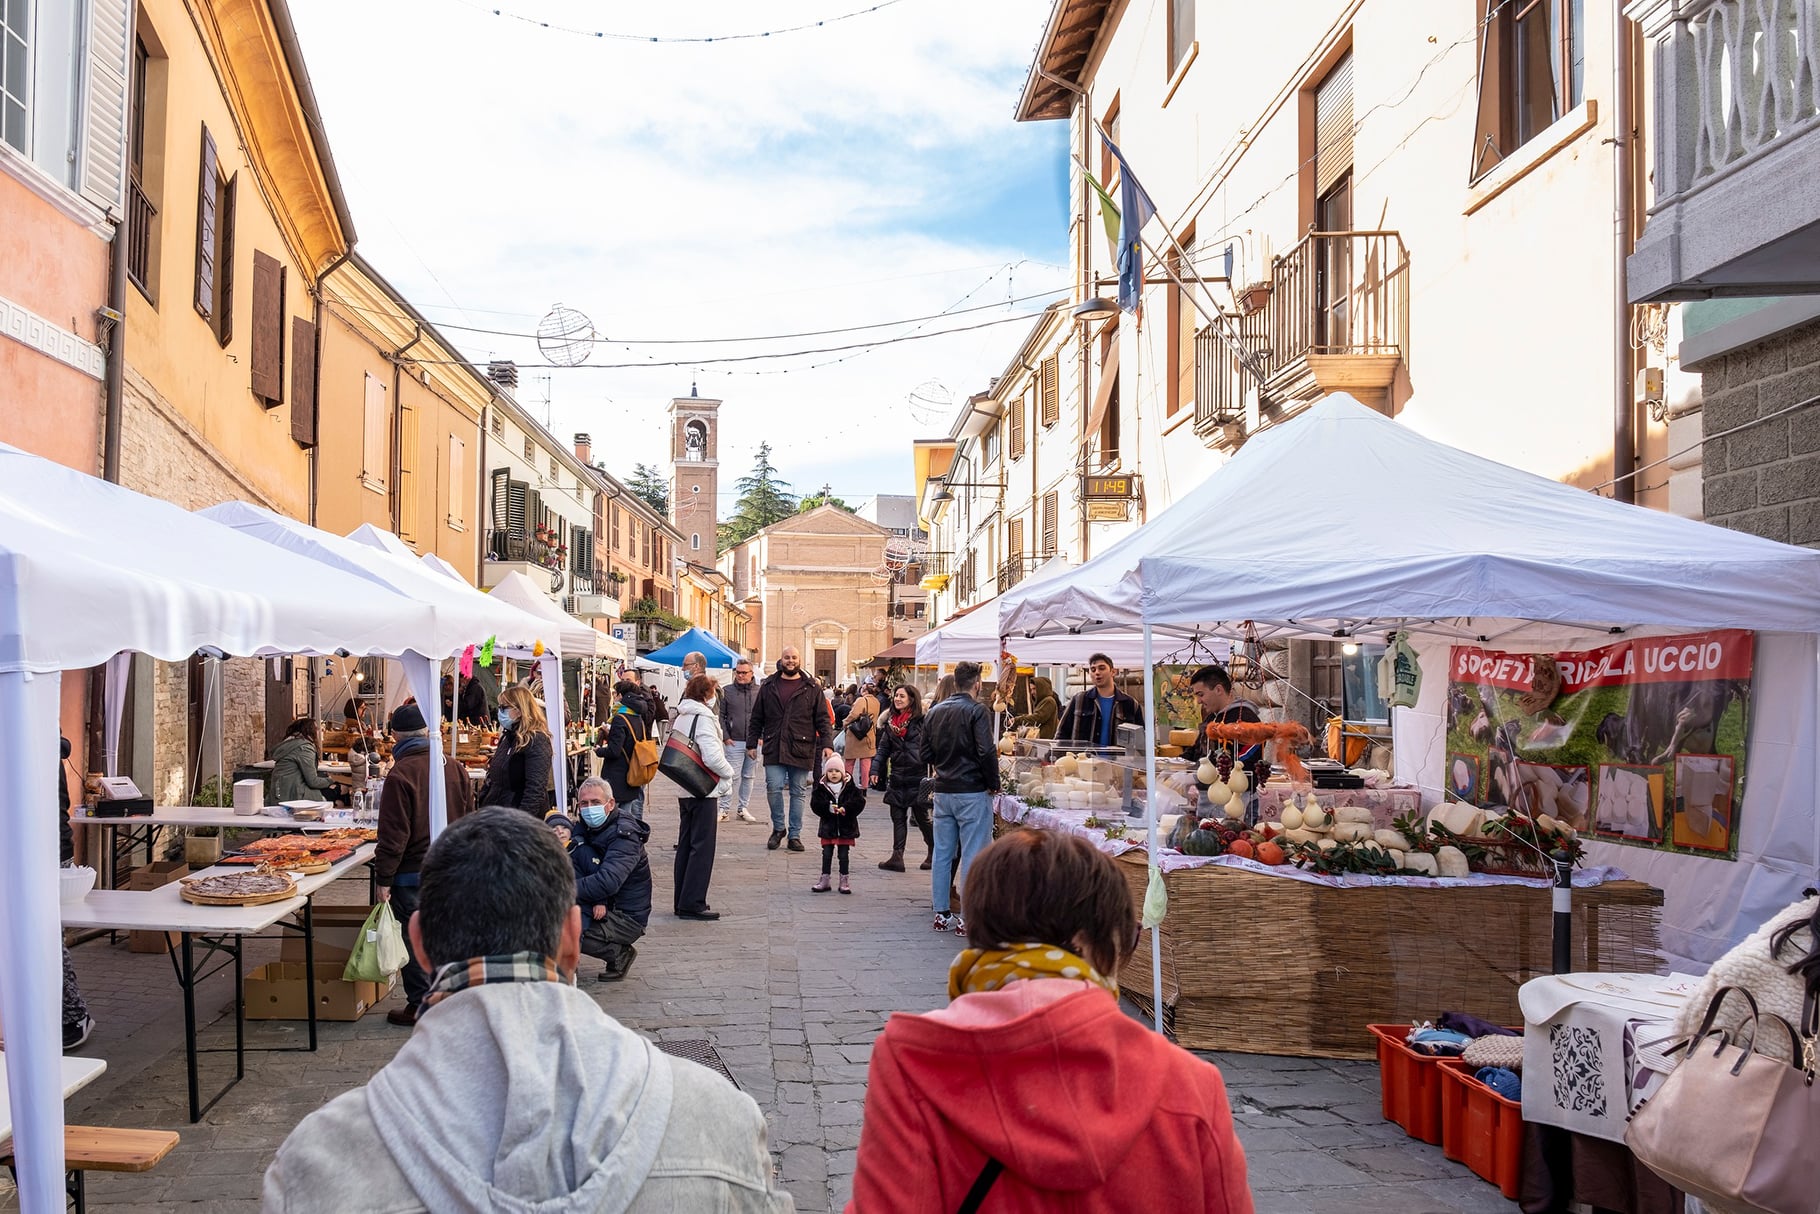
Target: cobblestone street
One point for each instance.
(790, 988)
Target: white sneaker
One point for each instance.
(746, 817)
(723, 816)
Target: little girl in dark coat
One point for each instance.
(837, 801)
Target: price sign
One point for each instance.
(1103, 511)
(1109, 488)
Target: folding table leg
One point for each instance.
(239, 1010)
(309, 962)
(187, 975)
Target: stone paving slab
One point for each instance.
(790, 987)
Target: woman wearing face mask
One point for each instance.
(697, 720)
(519, 772)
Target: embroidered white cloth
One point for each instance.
(1593, 1046)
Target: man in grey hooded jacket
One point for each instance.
(517, 1091)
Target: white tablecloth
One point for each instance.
(76, 1074)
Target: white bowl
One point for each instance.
(74, 884)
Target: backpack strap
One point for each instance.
(982, 1185)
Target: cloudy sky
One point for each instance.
(866, 171)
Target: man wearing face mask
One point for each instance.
(612, 879)
(792, 724)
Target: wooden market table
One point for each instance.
(1263, 963)
(218, 929)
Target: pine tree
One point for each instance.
(763, 500)
(648, 483)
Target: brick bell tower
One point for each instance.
(695, 473)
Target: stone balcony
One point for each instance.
(1736, 135)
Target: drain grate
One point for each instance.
(700, 1050)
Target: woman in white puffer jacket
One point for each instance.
(698, 720)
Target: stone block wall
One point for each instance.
(1765, 479)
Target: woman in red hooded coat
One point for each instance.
(1032, 1087)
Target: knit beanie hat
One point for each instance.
(408, 718)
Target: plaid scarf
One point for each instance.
(989, 969)
(480, 971)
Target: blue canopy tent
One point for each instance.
(692, 641)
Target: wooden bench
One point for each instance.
(94, 1148)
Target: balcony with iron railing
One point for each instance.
(1332, 317)
(1736, 137)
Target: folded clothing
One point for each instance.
(1472, 1026)
(1499, 1051)
(1502, 1080)
(1425, 1039)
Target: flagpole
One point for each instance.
(1209, 311)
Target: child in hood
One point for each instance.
(837, 801)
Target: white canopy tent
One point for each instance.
(89, 570)
(468, 616)
(978, 636)
(1344, 522)
(579, 638)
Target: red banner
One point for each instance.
(1695, 657)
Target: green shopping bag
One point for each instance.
(379, 952)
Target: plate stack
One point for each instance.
(249, 797)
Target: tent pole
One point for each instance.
(421, 673)
(1156, 933)
(551, 668)
(30, 974)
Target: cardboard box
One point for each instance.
(337, 927)
(151, 876)
(277, 992)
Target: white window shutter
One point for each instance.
(104, 114)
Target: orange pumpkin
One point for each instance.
(1269, 853)
(1242, 847)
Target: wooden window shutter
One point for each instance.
(207, 199)
(1488, 130)
(1333, 127)
(1017, 428)
(1051, 391)
(374, 449)
(410, 511)
(104, 112)
(303, 382)
(499, 506)
(1051, 532)
(268, 329)
(1015, 539)
(224, 269)
(458, 471)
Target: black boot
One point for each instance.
(900, 830)
(618, 961)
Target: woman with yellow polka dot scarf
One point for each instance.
(1032, 1085)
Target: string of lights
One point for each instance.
(609, 35)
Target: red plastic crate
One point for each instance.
(1480, 1128)
(1410, 1083)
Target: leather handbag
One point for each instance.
(1733, 1126)
(682, 762)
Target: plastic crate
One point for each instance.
(1480, 1128)
(1410, 1083)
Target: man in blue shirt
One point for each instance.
(1092, 718)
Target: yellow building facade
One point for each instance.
(398, 422)
(237, 213)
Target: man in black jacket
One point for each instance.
(791, 722)
(612, 879)
(1093, 717)
(958, 744)
(736, 701)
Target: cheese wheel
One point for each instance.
(1352, 813)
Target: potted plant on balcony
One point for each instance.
(1253, 298)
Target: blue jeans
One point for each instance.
(797, 778)
(636, 806)
(749, 764)
(963, 821)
